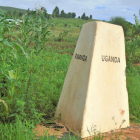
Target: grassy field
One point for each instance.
(34, 61)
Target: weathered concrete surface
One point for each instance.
(95, 85)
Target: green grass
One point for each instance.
(21, 130)
(34, 59)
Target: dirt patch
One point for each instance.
(136, 64)
(60, 131)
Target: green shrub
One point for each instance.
(119, 21)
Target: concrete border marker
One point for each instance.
(95, 90)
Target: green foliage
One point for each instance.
(66, 15)
(119, 21)
(44, 12)
(17, 67)
(9, 13)
(62, 35)
(90, 16)
(63, 14)
(55, 12)
(69, 15)
(34, 30)
(19, 130)
(18, 13)
(133, 43)
(9, 51)
(133, 51)
(85, 17)
(22, 80)
(15, 14)
(135, 29)
(133, 81)
(73, 15)
(129, 32)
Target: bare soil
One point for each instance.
(60, 131)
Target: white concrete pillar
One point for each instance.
(95, 90)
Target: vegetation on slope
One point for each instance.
(12, 9)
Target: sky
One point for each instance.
(99, 9)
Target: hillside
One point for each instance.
(12, 9)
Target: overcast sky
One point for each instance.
(99, 9)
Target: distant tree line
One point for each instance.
(41, 11)
(62, 14)
(14, 14)
(55, 14)
(85, 17)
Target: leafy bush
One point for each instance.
(119, 21)
(26, 73)
(62, 35)
(132, 44)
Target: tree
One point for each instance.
(9, 13)
(49, 16)
(69, 15)
(73, 15)
(15, 14)
(78, 16)
(83, 16)
(43, 9)
(28, 12)
(86, 17)
(55, 12)
(20, 14)
(90, 16)
(62, 14)
(33, 12)
(136, 20)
